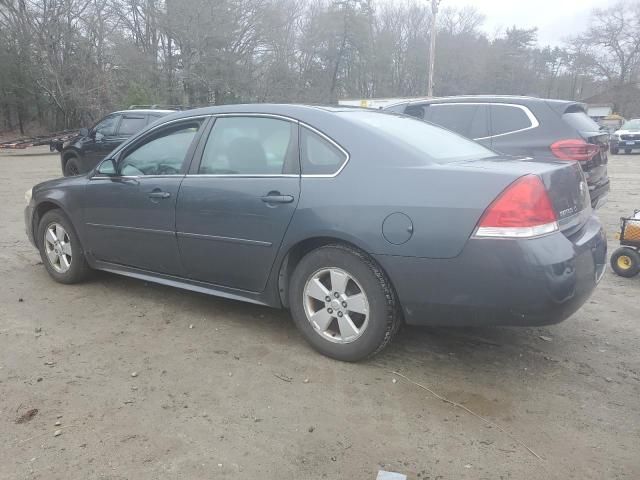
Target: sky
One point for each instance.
(555, 19)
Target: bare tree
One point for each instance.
(67, 62)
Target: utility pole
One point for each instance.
(432, 47)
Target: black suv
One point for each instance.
(536, 127)
(83, 152)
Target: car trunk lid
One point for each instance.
(565, 184)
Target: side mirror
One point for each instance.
(84, 132)
(107, 168)
(98, 136)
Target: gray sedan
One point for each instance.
(356, 221)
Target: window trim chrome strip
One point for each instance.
(130, 229)
(241, 175)
(217, 238)
(347, 155)
(133, 177)
(289, 119)
(532, 118)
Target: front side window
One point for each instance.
(468, 120)
(319, 156)
(507, 119)
(107, 126)
(131, 124)
(250, 146)
(163, 154)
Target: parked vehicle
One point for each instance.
(532, 127)
(83, 152)
(611, 123)
(627, 138)
(625, 261)
(354, 220)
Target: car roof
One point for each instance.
(560, 106)
(516, 99)
(296, 111)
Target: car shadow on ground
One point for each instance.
(492, 347)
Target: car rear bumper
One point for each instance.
(599, 193)
(538, 281)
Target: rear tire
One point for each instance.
(343, 303)
(614, 151)
(72, 167)
(60, 248)
(627, 151)
(625, 262)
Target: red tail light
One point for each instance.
(575, 150)
(522, 210)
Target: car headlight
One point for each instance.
(27, 195)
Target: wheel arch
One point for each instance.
(67, 155)
(41, 209)
(298, 250)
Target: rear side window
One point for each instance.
(415, 111)
(130, 125)
(581, 121)
(318, 155)
(250, 146)
(469, 120)
(432, 143)
(508, 118)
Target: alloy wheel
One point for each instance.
(57, 245)
(336, 306)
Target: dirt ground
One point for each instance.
(229, 390)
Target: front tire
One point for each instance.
(71, 167)
(343, 303)
(625, 262)
(627, 151)
(60, 248)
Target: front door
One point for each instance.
(103, 138)
(130, 217)
(234, 209)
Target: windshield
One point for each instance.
(435, 144)
(632, 124)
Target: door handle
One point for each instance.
(277, 199)
(159, 194)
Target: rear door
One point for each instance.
(236, 204)
(509, 124)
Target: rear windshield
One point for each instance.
(581, 121)
(435, 143)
